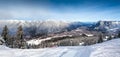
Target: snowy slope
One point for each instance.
(107, 49)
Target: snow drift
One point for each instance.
(107, 49)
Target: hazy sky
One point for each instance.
(69, 10)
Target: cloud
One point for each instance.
(63, 10)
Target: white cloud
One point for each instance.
(70, 14)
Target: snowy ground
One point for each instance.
(107, 49)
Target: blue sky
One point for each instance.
(68, 10)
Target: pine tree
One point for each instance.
(119, 34)
(5, 34)
(20, 33)
(110, 38)
(100, 40)
(20, 36)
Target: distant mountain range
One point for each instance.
(107, 26)
(34, 27)
(45, 27)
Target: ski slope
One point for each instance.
(107, 49)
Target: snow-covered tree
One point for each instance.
(2, 41)
(100, 38)
(110, 37)
(119, 34)
(5, 34)
(20, 40)
(20, 33)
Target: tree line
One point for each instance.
(16, 41)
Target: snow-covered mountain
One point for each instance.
(106, 49)
(110, 26)
(34, 26)
(44, 27)
(40, 27)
